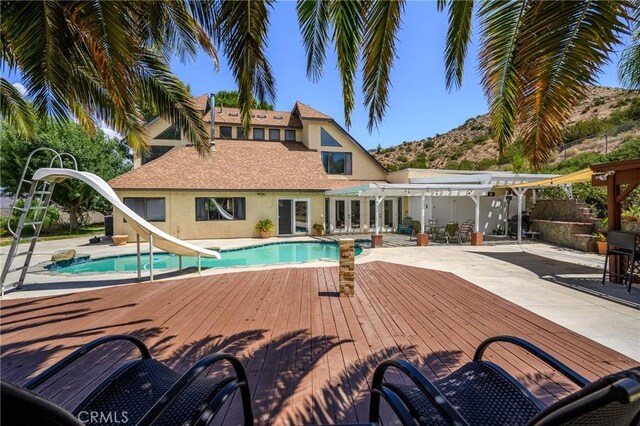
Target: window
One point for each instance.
(240, 133)
(220, 209)
(171, 133)
(258, 134)
(289, 135)
(155, 152)
(274, 134)
(327, 140)
(151, 209)
(337, 163)
(225, 132)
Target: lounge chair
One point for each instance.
(145, 391)
(405, 227)
(448, 232)
(481, 393)
(465, 230)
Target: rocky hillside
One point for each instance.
(470, 145)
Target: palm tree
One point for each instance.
(99, 61)
(537, 58)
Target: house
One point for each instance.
(297, 168)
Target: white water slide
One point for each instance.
(159, 238)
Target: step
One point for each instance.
(32, 223)
(22, 253)
(19, 268)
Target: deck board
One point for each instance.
(309, 354)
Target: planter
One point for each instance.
(265, 234)
(602, 247)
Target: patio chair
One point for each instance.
(482, 393)
(145, 390)
(448, 232)
(405, 227)
(465, 230)
(623, 244)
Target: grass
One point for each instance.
(60, 234)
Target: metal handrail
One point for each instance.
(55, 156)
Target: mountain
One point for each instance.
(611, 114)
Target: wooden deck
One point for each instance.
(308, 352)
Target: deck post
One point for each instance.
(520, 193)
(376, 238)
(347, 267)
(150, 257)
(422, 199)
(199, 264)
(138, 256)
(180, 263)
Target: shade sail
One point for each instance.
(580, 176)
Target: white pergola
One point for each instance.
(472, 185)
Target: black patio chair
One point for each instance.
(141, 392)
(482, 393)
(623, 244)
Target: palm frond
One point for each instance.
(458, 39)
(502, 24)
(348, 28)
(561, 54)
(629, 65)
(173, 100)
(313, 20)
(16, 110)
(383, 21)
(243, 32)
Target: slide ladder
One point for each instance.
(32, 215)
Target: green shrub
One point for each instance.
(402, 158)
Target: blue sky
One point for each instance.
(419, 105)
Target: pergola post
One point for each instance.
(376, 238)
(422, 238)
(476, 235)
(150, 257)
(520, 193)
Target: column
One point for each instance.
(476, 235)
(347, 267)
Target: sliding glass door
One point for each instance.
(293, 216)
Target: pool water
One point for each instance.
(268, 254)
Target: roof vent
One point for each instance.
(277, 117)
(233, 114)
(262, 116)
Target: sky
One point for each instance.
(419, 105)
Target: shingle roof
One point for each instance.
(305, 111)
(259, 117)
(346, 183)
(234, 165)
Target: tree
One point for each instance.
(537, 58)
(98, 61)
(230, 99)
(95, 153)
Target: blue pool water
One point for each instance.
(268, 254)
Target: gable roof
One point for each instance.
(234, 165)
(305, 111)
(259, 117)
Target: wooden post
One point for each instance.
(347, 267)
(614, 213)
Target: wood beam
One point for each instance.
(624, 194)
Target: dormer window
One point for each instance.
(274, 134)
(289, 135)
(225, 132)
(258, 133)
(240, 133)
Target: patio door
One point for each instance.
(293, 216)
(340, 222)
(355, 217)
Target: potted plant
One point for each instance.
(318, 229)
(264, 227)
(601, 241)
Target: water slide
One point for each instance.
(161, 239)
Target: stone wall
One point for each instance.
(562, 210)
(574, 235)
(630, 226)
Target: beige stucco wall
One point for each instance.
(181, 221)
(363, 166)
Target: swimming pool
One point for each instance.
(267, 254)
